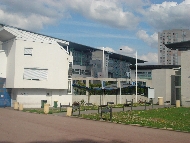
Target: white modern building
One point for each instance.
(167, 56)
(33, 67)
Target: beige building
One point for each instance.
(184, 92)
(167, 56)
(161, 78)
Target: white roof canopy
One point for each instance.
(7, 33)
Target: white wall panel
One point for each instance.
(3, 64)
(31, 98)
(44, 56)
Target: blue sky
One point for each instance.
(130, 25)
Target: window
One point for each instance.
(69, 87)
(35, 74)
(28, 51)
(70, 70)
(77, 71)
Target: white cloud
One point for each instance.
(109, 12)
(151, 40)
(109, 49)
(35, 14)
(151, 58)
(168, 15)
(127, 51)
(30, 15)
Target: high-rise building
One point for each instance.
(167, 56)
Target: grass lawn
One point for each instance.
(167, 118)
(41, 110)
(82, 108)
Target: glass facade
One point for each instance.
(84, 65)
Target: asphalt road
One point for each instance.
(18, 127)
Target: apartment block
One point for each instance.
(168, 56)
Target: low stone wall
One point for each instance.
(97, 99)
(34, 101)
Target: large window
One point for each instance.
(69, 86)
(35, 74)
(28, 51)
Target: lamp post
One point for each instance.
(120, 81)
(136, 76)
(103, 73)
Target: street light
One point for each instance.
(120, 81)
(136, 76)
(103, 75)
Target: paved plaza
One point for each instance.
(23, 127)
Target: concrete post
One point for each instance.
(177, 103)
(20, 107)
(69, 111)
(16, 104)
(46, 108)
(87, 93)
(160, 100)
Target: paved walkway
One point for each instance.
(22, 127)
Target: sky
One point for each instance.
(129, 25)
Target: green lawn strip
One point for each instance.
(94, 107)
(41, 110)
(167, 118)
(82, 108)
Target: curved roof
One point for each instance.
(84, 48)
(181, 46)
(25, 34)
(151, 67)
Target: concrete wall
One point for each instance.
(95, 99)
(44, 56)
(9, 47)
(185, 78)
(98, 55)
(31, 98)
(161, 82)
(3, 64)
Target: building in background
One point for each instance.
(167, 56)
(88, 62)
